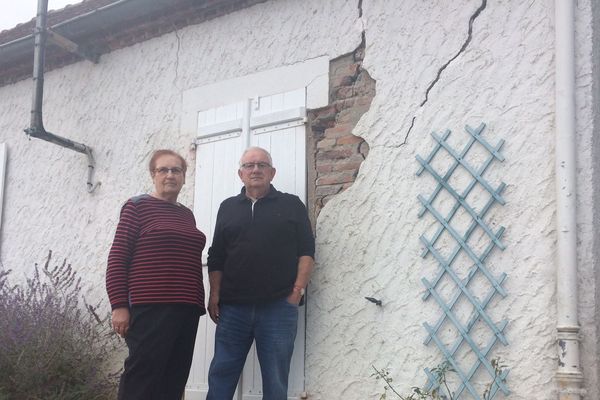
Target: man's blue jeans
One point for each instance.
(273, 326)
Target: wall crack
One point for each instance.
(177, 58)
(443, 67)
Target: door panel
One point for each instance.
(276, 123)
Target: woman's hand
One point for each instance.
(120, 320)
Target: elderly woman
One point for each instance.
(154, 284)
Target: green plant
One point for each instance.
(53, 345)
(440, 372)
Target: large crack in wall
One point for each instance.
(446, 64)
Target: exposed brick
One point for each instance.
(344, 103)
(345, 92)
(335, 154)
(351, 115)
(324, 117)
(338, 131)
(342, 81)
(338, 153)
(363, 102)
(354, 69)
(327, 190)
(336, 178)
(326, 143)
(324, 168)
(349, 139)
(365, 85)
(347, 166)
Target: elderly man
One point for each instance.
(259, 263)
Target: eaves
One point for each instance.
(103, 26)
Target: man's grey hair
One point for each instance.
(252, 148)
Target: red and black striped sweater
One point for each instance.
(156, 256)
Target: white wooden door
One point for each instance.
(276, 123)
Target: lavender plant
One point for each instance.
(53, 345)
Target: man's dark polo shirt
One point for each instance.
(257, 246)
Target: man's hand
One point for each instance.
(214, 278)
(294, 297)
(120, 320)
(213, 307)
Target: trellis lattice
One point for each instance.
(468, 350)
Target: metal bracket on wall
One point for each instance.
(70, 46)
(472, 338)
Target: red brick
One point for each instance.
(344, 92)
(323, 118)
(338, 130)
(349, 139)
(327, 190)
(364, 102)
(344, 75)
(351, 92)
(344, 103)
(326, 143)
(350, 115)
(324, 165)
(335, 154)
(343, 81)
(347, 166)
(336, 178)
(325, 168)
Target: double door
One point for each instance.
(277, 124)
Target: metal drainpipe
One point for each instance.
(569, 376)
(36, 128)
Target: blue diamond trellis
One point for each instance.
(467, 353)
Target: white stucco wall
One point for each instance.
(504, 78)
(588, 185)
(124, 108)
(131, 103)
(596, 165)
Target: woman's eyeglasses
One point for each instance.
(165, 171)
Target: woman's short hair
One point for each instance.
(165, 152)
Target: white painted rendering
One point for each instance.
(134, 101)
(3, 157)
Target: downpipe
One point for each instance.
(36, 127)
(569, 376)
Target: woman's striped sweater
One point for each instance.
(156, 256)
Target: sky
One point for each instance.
(13, 12)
